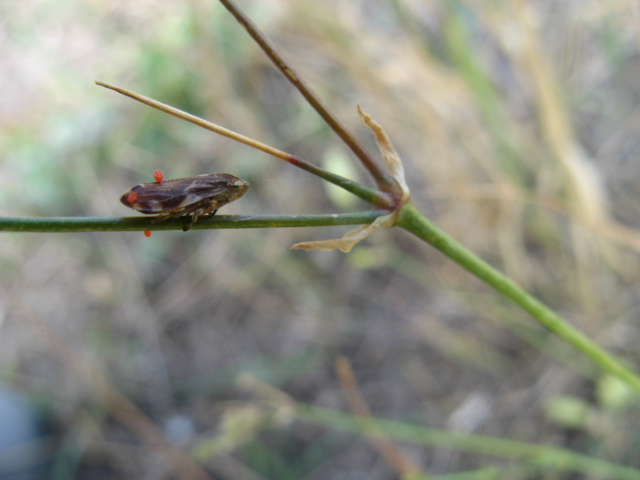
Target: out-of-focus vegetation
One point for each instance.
(517, 122)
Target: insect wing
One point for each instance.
(174, 194)
(207, 186)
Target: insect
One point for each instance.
(195, 196)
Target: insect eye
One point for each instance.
(132, 197)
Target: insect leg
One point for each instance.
(194, 218)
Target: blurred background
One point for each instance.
(518, 122)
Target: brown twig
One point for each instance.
(389, 451)
(383, 180)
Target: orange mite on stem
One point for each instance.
(158, 175)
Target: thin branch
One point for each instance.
(110, 224)
(401, 463)
(384, 181)
(373, 196)
(413, 221)
(550, 457)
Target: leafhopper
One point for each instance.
(195, 196)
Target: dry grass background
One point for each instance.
(518, 122)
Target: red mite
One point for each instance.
(195, 196)
(158, 175)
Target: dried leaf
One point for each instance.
(394, 164)
(389, 154)
(346, 243)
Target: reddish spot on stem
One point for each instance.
(132, 197)
(158, 175)
(147, 233)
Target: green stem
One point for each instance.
(375, 197)
(413, 221)
(551, 457)
(110, 224)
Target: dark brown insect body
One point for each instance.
(195, 196)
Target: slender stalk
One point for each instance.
(109, 224)
(384, 181)
(548, 457)
(413, 221)
(375, 197)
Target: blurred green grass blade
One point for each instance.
(555, 458)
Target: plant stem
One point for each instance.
(384, 181)
(548, 457)
(373, 196)
(413, 221)
(109, 224)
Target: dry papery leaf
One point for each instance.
(346, 243)
(389, 154)
(394, 164)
